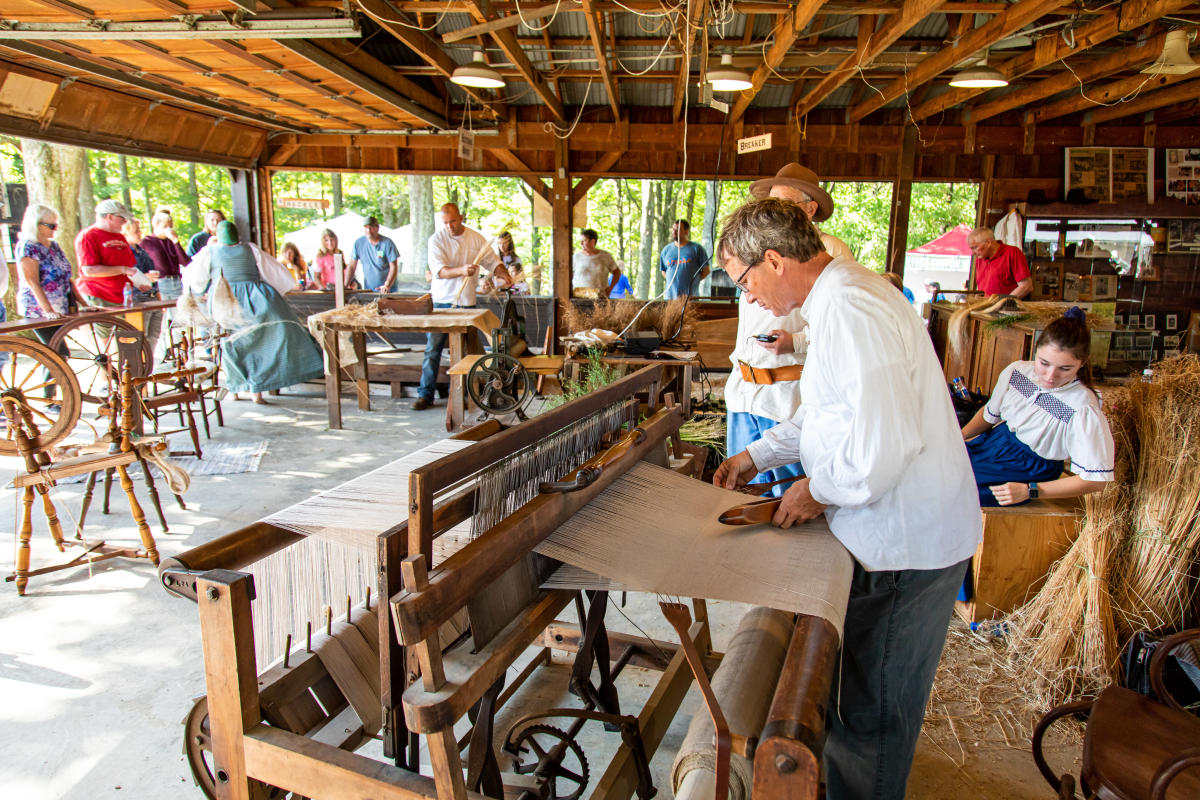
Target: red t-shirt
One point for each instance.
(1002, 273)
(99, 248)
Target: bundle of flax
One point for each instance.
(1132, 567)
(613, 315)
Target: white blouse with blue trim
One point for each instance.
(1057, 424)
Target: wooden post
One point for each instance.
(230, 674)
(901, 202)
(562, 220)
(266, 210)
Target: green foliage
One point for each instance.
(154, 183)
(596, 375)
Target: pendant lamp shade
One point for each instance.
(477, 74)
(980, 76)
(728, 78)
(1174, 58)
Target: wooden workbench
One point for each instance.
(456, 323)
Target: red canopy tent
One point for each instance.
(951, 243)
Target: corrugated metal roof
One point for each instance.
(650, 93)
(933, 26)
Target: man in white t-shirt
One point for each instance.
(455, 255)
(593, 268)
(764, 386)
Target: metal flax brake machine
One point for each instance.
(455, 619)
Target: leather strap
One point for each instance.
(766, 376)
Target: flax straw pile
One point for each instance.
(613, 315)
(1132, 567)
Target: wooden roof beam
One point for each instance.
(693, 22)
(772, 7)
(869, 46)
(1069, 79)
(787, 30)
(1149, 100)
(482, 11)
(424, 47)
(502, 23)
(1009, 21)
(1049, 49)
(522, 170)
(596, 31)
(1110, 93)
(331, 63)
(128, 78)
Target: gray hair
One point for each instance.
(981, 234)
(769, 224)
(35, 213)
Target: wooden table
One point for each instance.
(456, 323)
(677, 373)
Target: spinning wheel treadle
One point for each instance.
(498, 384)
(546, 752)
(34, 376)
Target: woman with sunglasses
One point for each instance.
(44, 274)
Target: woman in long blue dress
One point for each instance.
(270, 348)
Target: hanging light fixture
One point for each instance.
(728, 78)
(980, 76)
(477, 74)
(1174, 58)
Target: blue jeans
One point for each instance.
(896, 625)
(741, 429)
(435, 343)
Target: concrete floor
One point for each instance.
(98, 671)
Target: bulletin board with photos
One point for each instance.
(1111, 174)
(1143, 338)
(1182, 177)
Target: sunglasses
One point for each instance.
(51, 225)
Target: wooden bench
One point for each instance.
(1020, 544)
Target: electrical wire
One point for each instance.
(531, 26)
(552, 127)
(399, 19)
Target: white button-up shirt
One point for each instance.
(777, 401)
(446, 250)
(876, 432)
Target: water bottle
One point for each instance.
(127, 295)
(960, 389)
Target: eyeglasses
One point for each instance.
(740, 282)
(51, 225)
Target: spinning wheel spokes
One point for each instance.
(33, 377)
(90, 348)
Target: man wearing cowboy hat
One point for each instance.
(764, 386)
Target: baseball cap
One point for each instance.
(110, 206)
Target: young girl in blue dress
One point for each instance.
(1041, 413)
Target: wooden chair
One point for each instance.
(1134, 747)
(159, 392)
(42, 473)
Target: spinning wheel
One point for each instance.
(91, 352)
(34, 376)
(498, 384)
(553, 756)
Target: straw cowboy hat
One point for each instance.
(797, 177)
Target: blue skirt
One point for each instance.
(998, 456)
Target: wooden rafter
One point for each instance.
(787, 30)
(482, 11)
(514, 162)
(1011, 20)
(772, 7)
(1091, 98)
(127, 77)
(1149, 100)
(501, 23)
(423, 46)
(68, 7)
(1049, 49)
(596, 31)
(359, 59)
(694, 21)
(1070, 79)
(336, 66)
(870, 46)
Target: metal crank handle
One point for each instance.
(587, 474)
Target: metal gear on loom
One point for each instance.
(547, 763)
(498, 384)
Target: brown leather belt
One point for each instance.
(767, 375)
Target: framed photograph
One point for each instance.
(1170, 341)
(1123, 341)
(1183, 235)
(1119, 319)
(1143, 340)
(1183, 165)
(1134, 320)
(1116, 355)
(1172, 322)
(1148, 321)
(1171, 353)
(1111, 174)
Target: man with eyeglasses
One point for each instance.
(764, 386)
(885, 463)
(105, 258)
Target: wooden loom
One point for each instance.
(495, 578)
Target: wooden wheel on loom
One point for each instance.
(35, 376)
(197, 748)
(90, 348)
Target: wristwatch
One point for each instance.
(1033, 491)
